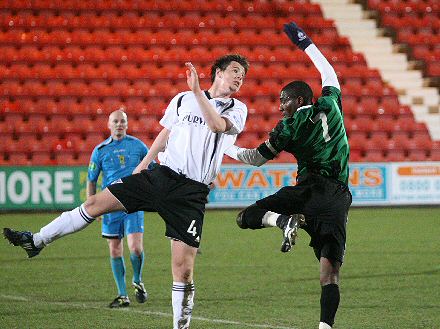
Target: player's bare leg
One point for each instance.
(183, 259)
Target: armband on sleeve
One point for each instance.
(267, 150)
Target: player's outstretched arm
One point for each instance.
(300, 39)
(248, 156)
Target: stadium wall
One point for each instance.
(372, 184)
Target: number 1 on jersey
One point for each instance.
(321, 116)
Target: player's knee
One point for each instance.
(182, 273)
(251, 217)
(90, 202)
(240, 219)
(136, 250)
(329, 272)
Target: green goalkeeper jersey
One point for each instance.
(316, 136)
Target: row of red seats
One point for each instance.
(387, 124)
(426, 53)
(406, 21)
(285, 7)
(433, 69)
(131, 71)
(89, 106)
(415, 38)
(82, 126)
(45, 159)
(155, 19)
(374, 107)
(168, 37)
(394, 156)
(358, 129)
(119, 55)
(358, 75)
(82, 159)
(99, 88)
(422, 7)
(79, 125)
(399, 142)
(168, 88)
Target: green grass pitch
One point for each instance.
(390, 278)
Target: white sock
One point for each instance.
(68, 222)
(323, 325)
(183, 302)
(270, 219)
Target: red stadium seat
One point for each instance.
(357, 142)
(374, 156)
(42, 159)
(39, 146)
(65, 159)
(355, 155)
(19, 159)
(396, 156)
(83, 158)
(83, 125)
(417, 155)
(435, 154)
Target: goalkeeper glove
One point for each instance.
(297, 35)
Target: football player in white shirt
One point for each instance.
(198, 127)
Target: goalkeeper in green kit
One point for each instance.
(319, 202)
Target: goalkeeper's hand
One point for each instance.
(297, 35)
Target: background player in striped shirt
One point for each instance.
(117, 157)
(315, 135)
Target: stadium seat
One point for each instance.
(417, 155)
(65, 159)
(83, 158)
(19, 159)
(42, 159)
(374, 156)
(396, 156)
(435, 152)
(82, 125)
(355, 155)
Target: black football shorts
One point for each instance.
(180, 201)
(325, 203)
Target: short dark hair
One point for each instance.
(295, 89)
(223, 62)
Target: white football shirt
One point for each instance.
(192, 148)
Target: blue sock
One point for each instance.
(118, 268)
(138, 263)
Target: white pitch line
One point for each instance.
(162, 314)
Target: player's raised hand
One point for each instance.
(192, 78)
(297, 35)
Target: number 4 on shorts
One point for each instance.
(192, 229)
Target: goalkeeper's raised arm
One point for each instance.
(300, 38)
